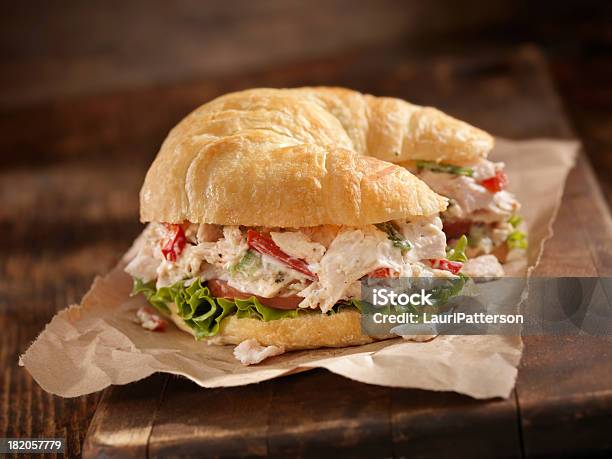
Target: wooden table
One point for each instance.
(69, 190)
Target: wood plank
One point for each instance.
(584, 80)
(94, 47)
(311, 414)
(123, 422)
(563, 385)
(316, 413)
(25, 409)
(232, 420)
(565, 396)
(490, 90)
(431, 425)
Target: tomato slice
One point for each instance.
(447, 265)
(496, 183)
(174, 246)
(264, 244)
(220, 289)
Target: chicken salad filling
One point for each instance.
(479, 206)
(270, 273)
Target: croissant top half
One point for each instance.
(303, 157)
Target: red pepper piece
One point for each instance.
(447, 265)
(174, 246)
(496, 183)
(264, 244)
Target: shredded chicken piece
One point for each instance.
(484, 169)
(323, 234)
(250, 352)
(144, 264)
(500, 232)
(427, 238)
(225, 252)
(298, 245)
(483, 266)
(469, 198)
(353, 254)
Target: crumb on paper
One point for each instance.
(250, 352)
(149, 320)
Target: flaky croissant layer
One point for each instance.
(303, 157)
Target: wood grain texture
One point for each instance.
(433, 424)
(314, 413)
(236, 421)
(69, 49)
(565, 396)
(131, 410)
(72, 48)
(563, 386)
(583, 76)
(481, 88)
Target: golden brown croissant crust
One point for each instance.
(303, 157)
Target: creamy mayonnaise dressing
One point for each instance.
(483, 266)
(471, 200)
(357, 251)
(298, 245)
(351, 254)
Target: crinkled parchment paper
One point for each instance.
(89, 347)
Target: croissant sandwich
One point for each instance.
(266, 208)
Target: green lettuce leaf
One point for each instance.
(252, 308)
(515, 220)
(443, 293)
(517, 240)
(157, 298)
(203, 312)
(457, 253)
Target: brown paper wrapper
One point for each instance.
(88, 347)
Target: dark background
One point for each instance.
(57, 51)
(89, 89)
